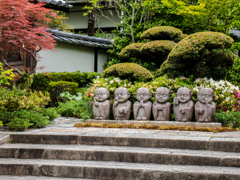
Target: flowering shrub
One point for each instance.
(131, 51)
(227, 96)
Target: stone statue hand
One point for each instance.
(120, 110)
(160, 108)
(176, 101)
(141, 103)
(200, 110)
(209, 101)
(96, 104)
(182, 110)
(115, 104)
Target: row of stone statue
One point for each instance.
(183, 107)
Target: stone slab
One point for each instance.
(120, 154)
(158, 123)
(4, 138)
(6, 177)
(109, 170)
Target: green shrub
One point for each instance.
(50, 112)
(56, 88)
(157, 51)
(41, 80)
(180, 38)
(204, 54)
(130, 71)
(1, 124)
(162, 33)
(23, 119)
(233, 75)
(79, 109)
(229, 119)
(131, 51)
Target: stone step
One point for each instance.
(109, 170)
(121, 154)
(6, 177)
(143, 139)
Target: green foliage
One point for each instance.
(130, 71)
(23, 119)
(157, 51)
(162, 33)
(233, 75)
(1, 124)
(56, 88)
(229, 119)
(5, 76)
(41, 80)
(50, 112)
(68, 96)
(131, 51)
(79, 109)
(205, 54)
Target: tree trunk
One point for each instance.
(91, 22)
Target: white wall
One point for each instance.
(78, 21)
(70, 58)
(236, 32)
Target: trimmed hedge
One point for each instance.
(157, 51)
(162, 33)
(204, 54)
(130, 71)
(131, 51)
(41, 80)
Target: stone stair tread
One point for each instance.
(120, 165)
(122, 149)
(7, 177)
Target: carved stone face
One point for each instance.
(101, 94)
(205, 94)
(121, 95)
(143, 94)
(162, 95)
(184, 94)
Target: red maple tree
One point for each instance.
(23, 28)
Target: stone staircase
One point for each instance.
(94, 153)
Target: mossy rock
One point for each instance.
(130, 71)
(157, 51)
(131, 51)
(162, 33)
(204, 54)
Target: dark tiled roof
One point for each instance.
(80, 39)
(58, 3)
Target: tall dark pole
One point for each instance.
(91, 21)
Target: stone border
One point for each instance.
(158, 123)
(4, 138)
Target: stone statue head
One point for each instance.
(143, 94)
(101, 94)
(184, 94)
(121, 94)
(162, 95)
(205, 94)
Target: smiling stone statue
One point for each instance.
(183, 106)
(142, 107)
(101, 105)
(121, 105)
(205, 108)
(162, 107)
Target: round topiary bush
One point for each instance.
(131, 51)
(204, 54)
(162, 33)
(157, 51)
(130, 71)
(180, 38)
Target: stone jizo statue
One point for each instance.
(142, 107)
(162, 107)
(101, 105)
(121, 105)
(205, 108)
(183, 106)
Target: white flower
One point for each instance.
(111, 82)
